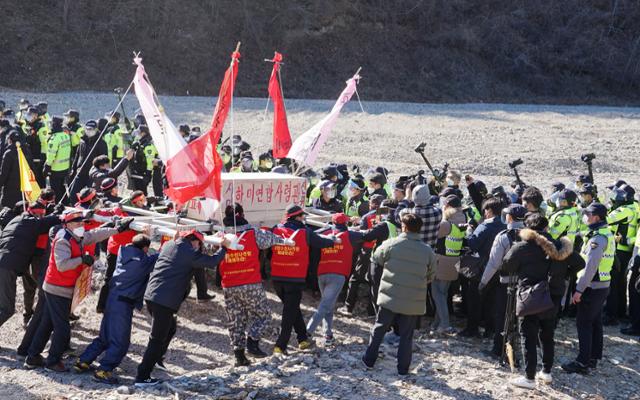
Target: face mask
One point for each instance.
(266, 164)
(370, 190)
(79, 232)
(450, 182)
(90, 132)
(554, 197)
(331, 193)
(585, 219)
(558, 203)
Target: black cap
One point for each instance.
(400, 185)
(184, 128)
(516, 211)
(91, 124)
(14, 135)
(329, 172)
(42, 104)
(568, 195)
(557, 186)
(596, 209)
(617, 184)
(584, 179)
(587, 188)
(72, 113)
(294, 210)
(452, 201)
(378, 178)
(33, 110)
(115, 115)
(8, 113)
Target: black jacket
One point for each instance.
(98, 175)
(84, 153)
(170, 280)
(10, 176)
(538, 257)
(18, 240)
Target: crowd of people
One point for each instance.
(507, 259)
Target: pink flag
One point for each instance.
(306, 147)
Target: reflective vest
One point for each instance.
(353, 207)
(606, 262)
(76, 136)
(59, 152)
(114, 139)
(624, 221)
(564, 222)
(66, 278)
(370, 220)
(451, 245)
(337, 259)
(150, 154)
(43, 136)
(393, 230)
(290, 262)
(242, 267)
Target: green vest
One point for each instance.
(43, 135)
(59, 152)
(606, 262)
(453, 241)
(624, 221)
(150, 153)
(114, 139)
(564, 222)
(352, 208)
(76, 136)
(393, 231)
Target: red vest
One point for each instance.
(337, 259)
(66, 278)
(370, 219)
(290, 261)
(42, 241)
(242, 267)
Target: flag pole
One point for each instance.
(20, 166)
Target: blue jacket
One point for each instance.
(130, 278)
(481, 240)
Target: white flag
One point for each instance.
(166, 137)
(307, 146)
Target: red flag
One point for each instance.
(281, 135)
(203, 151)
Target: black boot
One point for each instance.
(241, 360)
(253, 348)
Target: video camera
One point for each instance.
(587, 158)
(515, 163)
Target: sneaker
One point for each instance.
(367, 366)
(160, 365)
(73, 317)
(344, 310)
(305, 344)
(81, 367)
(277, 351)
(34, 362)
(545, 377)
(21, 356)
(57, 367)
(253, 348)
(105, 377)
(329, 340)
(241, 359)
(575, 367)
(524, 383)
(145, 383)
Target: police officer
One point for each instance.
(91, 146)
(564, 221)
(357, 206)
(73, 127)
(37, 134)
(58, 159)
(23, 107)
(265, 162)
(144, 160)
(114, 139)
(623, 222)
(328, 201)
(592, 288)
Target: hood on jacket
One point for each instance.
(565, 250)
(421, 195)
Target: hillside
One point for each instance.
(411, 50)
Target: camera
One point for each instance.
(588, 157)
(513, 164)
(420, 148)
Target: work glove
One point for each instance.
(46, 169)
(124, 223)
(87, 260)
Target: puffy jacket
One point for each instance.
(169, 283)
(539, 257)
(408, 264)
(131, 275)
(18, 240)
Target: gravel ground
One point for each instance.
(478, 139)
